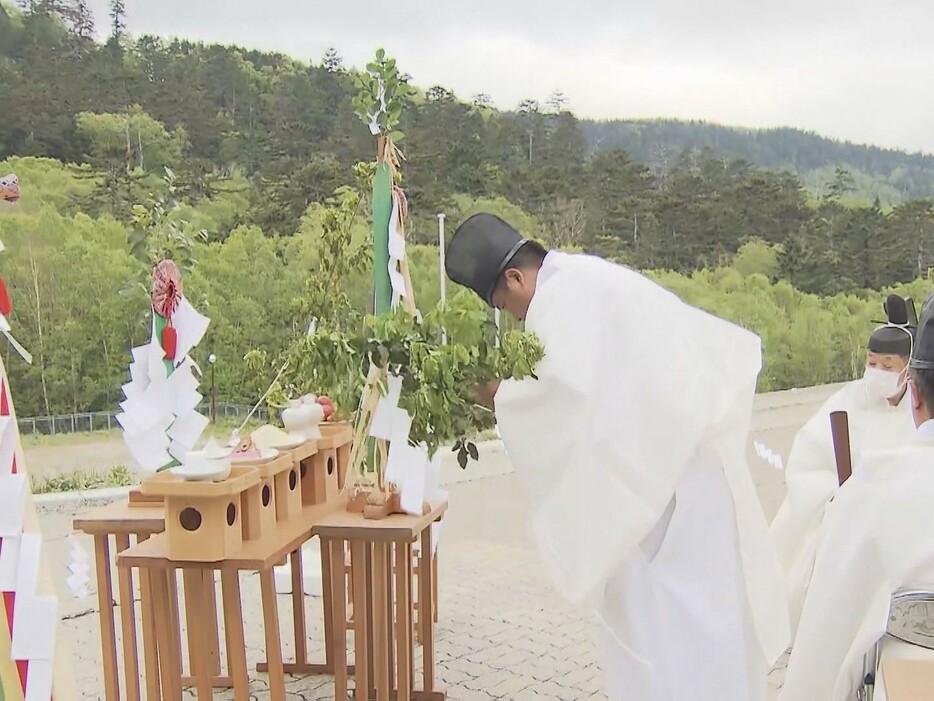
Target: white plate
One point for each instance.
(204, 472)
(264, 454)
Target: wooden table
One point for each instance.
(384, 645)
(150, 557)
(121, 522)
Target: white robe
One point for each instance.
(632, 447)
(811, 477)
(874, 540)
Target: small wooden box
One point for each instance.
(337, 437)
(259, 501)
(290, 487)
(319, 477)
(202, 519)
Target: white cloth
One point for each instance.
(811, 476)
(603, 443)
(676, 647)
(874, 540)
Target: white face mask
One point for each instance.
(882, 384)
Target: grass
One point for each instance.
(118, 476)
(220, 430)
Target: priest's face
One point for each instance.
(886, 361)
(515, 290)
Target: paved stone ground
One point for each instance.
(503, 633)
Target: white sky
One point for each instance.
(860, 70)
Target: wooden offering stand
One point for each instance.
(202, 519)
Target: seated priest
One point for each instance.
(643, 506)
(874, 540)
(879, 417)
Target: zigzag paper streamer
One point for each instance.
(770, 457)
(80, 570)
(30, 620)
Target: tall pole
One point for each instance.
(441, 274)
(213, 359)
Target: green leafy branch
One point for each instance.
(381, 98)
(159, 233)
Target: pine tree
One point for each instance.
(117, 20)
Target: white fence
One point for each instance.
(106, 420)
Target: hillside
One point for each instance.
(889, 175)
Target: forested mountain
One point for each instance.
(251, 154)
(886, 174)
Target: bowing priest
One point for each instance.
(631, 445)
(879, 417)
(874, 540)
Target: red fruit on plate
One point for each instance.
(328, 411)
(324, 401)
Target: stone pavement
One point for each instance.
(503, 632)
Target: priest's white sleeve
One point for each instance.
(632, 381)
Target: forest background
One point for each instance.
(239, 159)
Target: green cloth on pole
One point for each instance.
(382, 211)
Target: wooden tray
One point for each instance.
(165, 484)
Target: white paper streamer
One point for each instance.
(160, 419)
(766, 454)
(80, 570)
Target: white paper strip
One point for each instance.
(36, 639)
(39, 682)
(12, 503)
(9, 563)
(80, 569)
(27, 575)
(382, 424)
(187, 429)
(8, 434)
(190, 326)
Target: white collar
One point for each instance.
(549, 267)
(926, 429)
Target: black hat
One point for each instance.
(479, 252)
(897, 335)
(922, 355)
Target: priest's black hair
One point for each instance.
(924, 381)
(530, 256)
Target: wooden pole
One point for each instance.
(840, 430)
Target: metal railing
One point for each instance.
(92, 422)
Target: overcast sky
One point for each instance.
(861, 70)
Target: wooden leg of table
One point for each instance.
(338, 616)
(172, 584)
(105, 596)
(233, 630)
(128, 623)
(390, 647)
(425, 619)
(167, 637)
(405, 650)
(298, 608)
(199, 631)
(150, 648)
(371, 617)
(273, 641)
(358, 591)
(210, 601)
(381, 638)
(327, 604)
(434, 585)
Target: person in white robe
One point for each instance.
(875, 539)
(878, 417)
(643, 506)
